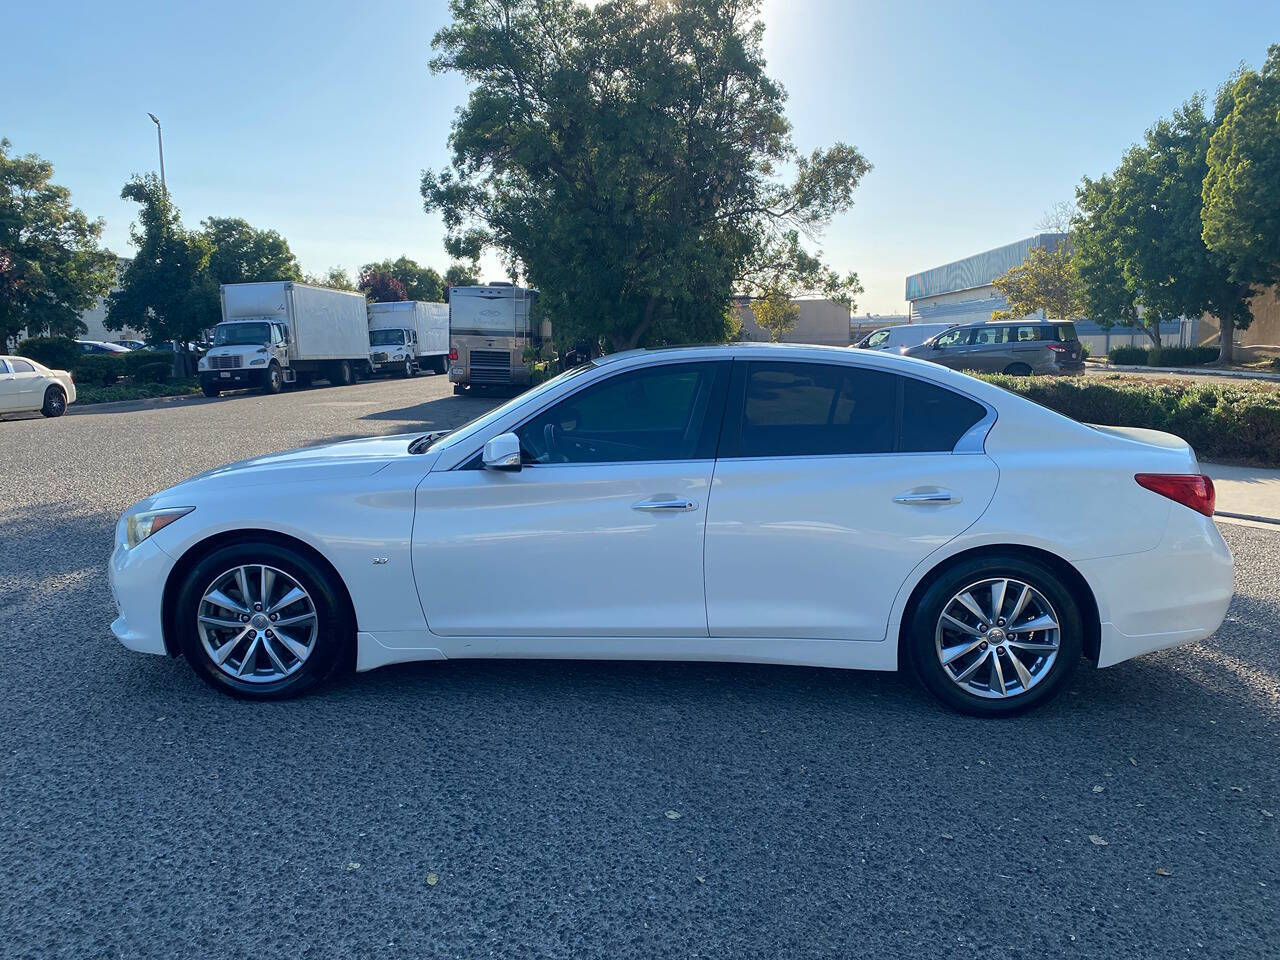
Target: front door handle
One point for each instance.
(676, 504)
(927, 498)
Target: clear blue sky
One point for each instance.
(316, 118)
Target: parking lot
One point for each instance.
(562, 809)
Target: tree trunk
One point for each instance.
(1153, 331)
(1226, 338)
(633, 338)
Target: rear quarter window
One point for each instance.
(934, 418)
(1063, 332)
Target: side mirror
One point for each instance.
(502, 453)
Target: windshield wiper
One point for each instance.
(423, 443)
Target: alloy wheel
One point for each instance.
(997, 638)
(257, 623)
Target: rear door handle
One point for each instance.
(675, 504)
(927, 498)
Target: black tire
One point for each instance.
(55, 402)
(920, 641)
(407, 372)
(440, 365)
(210, 390)
(1018, 370)
(274, 382)
(343, 374)
(334, 631)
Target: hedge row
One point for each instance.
(1239, 422)
(1164, 357)
(146, 366)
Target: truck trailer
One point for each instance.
(407, 336)
(490, 328)
(282, 331)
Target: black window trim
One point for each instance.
(972, 441)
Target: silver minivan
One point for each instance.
(1019, 348)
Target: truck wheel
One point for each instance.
(459, 390)
(210, 389)
(407, 372)
(343, 375)
(275, 380)
(440, 365)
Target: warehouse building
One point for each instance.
(820, 321)
(964, 292)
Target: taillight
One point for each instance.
(1193, 490)
(453, 353)
(1056, 347)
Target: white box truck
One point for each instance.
(283, 331)
(407, 336)
(489, 330)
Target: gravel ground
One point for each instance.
(614, 810)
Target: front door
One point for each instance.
(833, 483)
(600, 533)
(10, 389)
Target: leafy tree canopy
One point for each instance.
(625, 159)
(1241, 191)
(419, 283)
(1047, 281)
(243, 254)
(776, 313)
(167, 290)
(334, 277)
(1140, 232)
(381, 287)
(461, 275)
(51, 266)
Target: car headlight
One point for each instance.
(143, 525)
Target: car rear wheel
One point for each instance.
(1018, 370)
(55, 402)
(996, 635)
(260, 621)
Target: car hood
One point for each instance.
(332, 461)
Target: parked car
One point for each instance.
(903, 335)
(868, 510)
(130, 344)
(1019, 348)
(26, 386)
(99, 346)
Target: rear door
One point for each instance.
(832, 483)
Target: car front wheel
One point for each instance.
(995, 636)
(261, 621)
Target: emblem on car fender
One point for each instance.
(378, 561)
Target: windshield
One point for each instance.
(497, 413)
(241, 334)
(386, 338)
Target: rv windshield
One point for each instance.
(386, 338)
(241, 334)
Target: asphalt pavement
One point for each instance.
(526, 809)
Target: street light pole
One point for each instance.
(160, 144)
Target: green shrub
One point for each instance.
(58, 353)
(157, 371)
(103, 368)
(1128, 356)
(143, 358)
(86, 394)
(1228, 422)
(1182, 356)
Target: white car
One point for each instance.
(902, 336)
(27, 386)
(758, 503)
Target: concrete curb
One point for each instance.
(1195, 371)
(141, 403)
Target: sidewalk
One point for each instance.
(1246, 493)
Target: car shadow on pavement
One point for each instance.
(440, 413)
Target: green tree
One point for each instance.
(1046, 281)
(1139, 239)
(461, 275)
(51, 266)
(624, 158)
(1241, 189)
(167, 290)
(334, 277)
(420, 283)
(776, 313)
(244, 254)
(381, 287)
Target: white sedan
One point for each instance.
(765, 504)
(27, 386)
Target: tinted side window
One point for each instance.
(934, 418)
(877, 338)
(21, 366)
(813, 409)
(1028, 333)
(669, 412)
(984, 336)
(952, 338)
